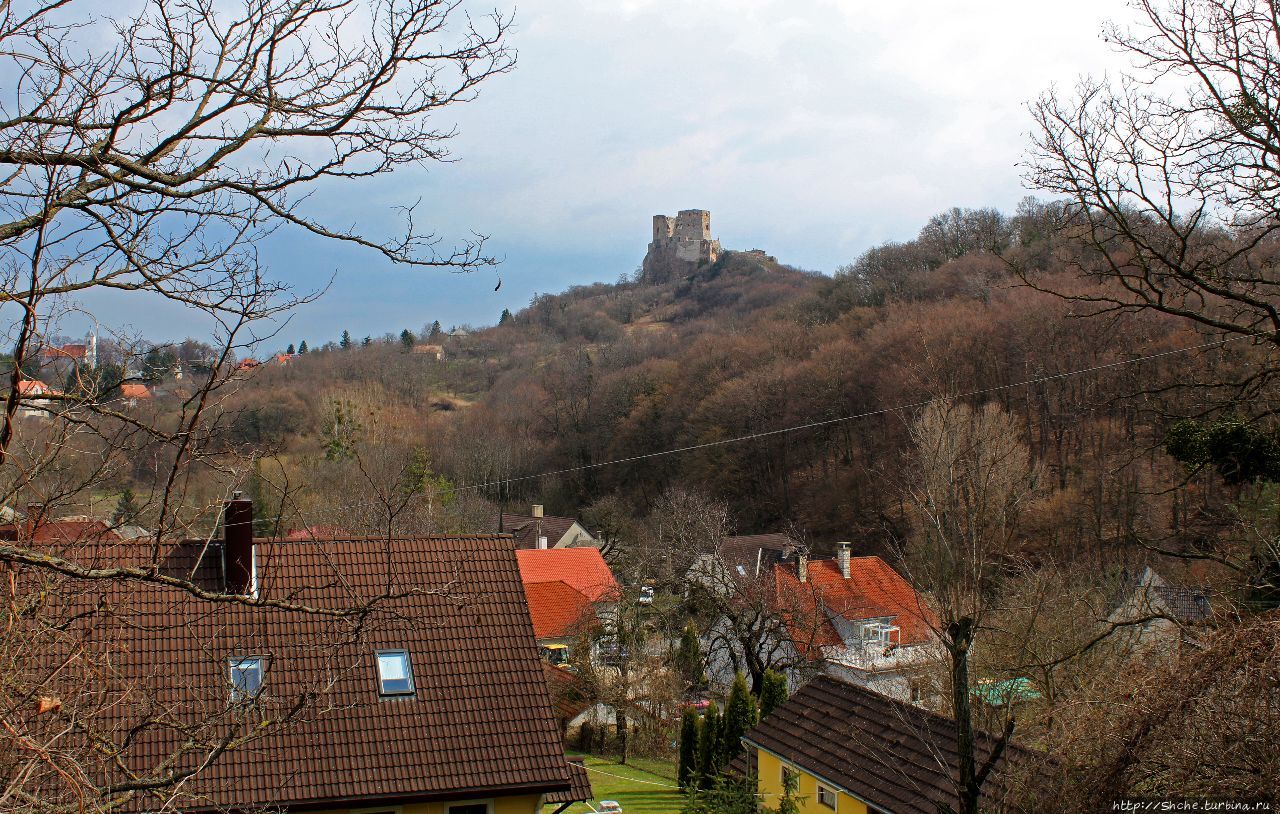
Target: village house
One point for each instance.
(132, 393)
(534, 530)
(434, 351)
(1155, 614)
(437, 706)
(851, 750)
(37, 399)
(854, 618)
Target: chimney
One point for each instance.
(537, 510)
(842, 558)
(802, 566)
(542, 542)
(237, 531)
(35, 515)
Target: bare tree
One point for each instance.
(971, 478)
(148, 158)
(1171, 172)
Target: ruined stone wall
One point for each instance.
(680, 245)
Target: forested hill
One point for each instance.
(747, 347)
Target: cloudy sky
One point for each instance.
(813, 129)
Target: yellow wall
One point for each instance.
(522, 804)
(806, 795)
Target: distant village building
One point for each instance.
(1155, 614)
(36, 399)
(434, 351)
(534, 530)
(132, 393)
(680, 245)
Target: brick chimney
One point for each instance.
(537, 510)
(237, 530)
(842, 558)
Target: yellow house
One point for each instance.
(853, 751)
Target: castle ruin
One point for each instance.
(680, 245)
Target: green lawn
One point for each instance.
(633, 786)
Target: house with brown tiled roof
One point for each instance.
(534, 530)
(1154, 614)
(358, 674)
(853, 751)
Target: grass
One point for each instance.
(633, 786)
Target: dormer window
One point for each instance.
(395, 673)
(245, 675)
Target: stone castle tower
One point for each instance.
(679, 246)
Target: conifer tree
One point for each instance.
(303, 347)
(506, 316)
(739, 716)
(367, 341)
(435, 329)
(126, 508)
(773, 692)
(688, 767)
(407, 339)
(708, 747)
(290, 350)
(689, 656)
(345, 342)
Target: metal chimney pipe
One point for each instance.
(237, 533)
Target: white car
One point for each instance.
(646, 596)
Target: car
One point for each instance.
(646, 595)
(609, 807)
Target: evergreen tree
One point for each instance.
(689, 656)
(435, 329)
(739, 716)
(688, 769)
(303, 347)
(126, 508)
(290, 350)
(367, 341)
(708, 747)
(345, 342)
(506, 316)
(407, 339)
(773, 692)
(728, 795)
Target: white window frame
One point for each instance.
(408, 671)
(827, 791)
(235, 663)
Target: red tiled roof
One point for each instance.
(557, 609)
(135, 391)
(33, 387)
(73, 351)
(315, 533)
(479, 724)
(873, 590)
(581, 568)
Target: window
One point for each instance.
(395, 674)
(790, 778)
(826, 796)
(469, 808)
(246, 677)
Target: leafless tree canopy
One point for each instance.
(148, 156)
(1172, 170)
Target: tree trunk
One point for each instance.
(961, 636)
(620, 721)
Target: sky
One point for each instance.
(813, 129)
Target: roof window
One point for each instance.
(395, 673)
(245, 675)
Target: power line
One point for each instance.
(842, 419)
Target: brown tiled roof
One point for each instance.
(525, 528)
(884, 752)
(581, 784)
(479, 723)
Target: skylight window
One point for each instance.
(395, 673)
(245, 675)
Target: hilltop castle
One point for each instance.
(679, 246)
